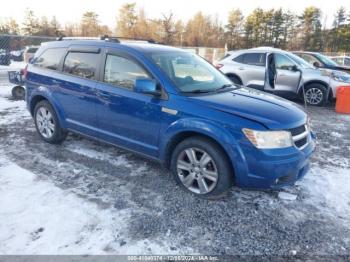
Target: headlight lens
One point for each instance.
(269, 139)
(341, 77)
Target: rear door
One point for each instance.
(76, 93)
(125, 117)
(252, 69)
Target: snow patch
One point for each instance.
(287, 196)
(329, 188)
(38, 218)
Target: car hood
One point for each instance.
(271, 111)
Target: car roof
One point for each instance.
(141, 46)
(258, 49)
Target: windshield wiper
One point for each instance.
(199, 91)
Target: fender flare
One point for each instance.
(207, 128)
(46, 94)
(326, 85)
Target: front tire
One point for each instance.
(315, 94)
(201, 167)
(47, 124)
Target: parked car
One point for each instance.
(342, 60)
(321, 61)
(29, 52)
(281, 73)
(171, 106)
(5, 58)
(17, 55)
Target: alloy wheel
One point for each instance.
(45, 122)
(314, 96)
(197, 170)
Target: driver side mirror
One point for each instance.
(316, 64)
(146, 86)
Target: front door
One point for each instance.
(127, 118)
(287, 78)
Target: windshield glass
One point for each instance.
(326, 60)
(300, 62)
(189, 72)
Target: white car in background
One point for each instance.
(29, 52)
(282, 73)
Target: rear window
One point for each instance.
(81, 64)
(50, 58)
(32, 49)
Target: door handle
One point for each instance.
(241, 68)
(281, 75)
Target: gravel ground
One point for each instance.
(317, 222)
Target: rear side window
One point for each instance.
(50, 58)
(239, 59)
(81, 64)
(257, 59)
(32, 49)
(123, 72)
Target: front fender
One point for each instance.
(217, 132)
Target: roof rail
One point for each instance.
(115, 39)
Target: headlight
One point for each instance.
(269, 139)
(341, 77)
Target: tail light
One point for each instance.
(24, 71)
(218, 66)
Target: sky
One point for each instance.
(71, 10)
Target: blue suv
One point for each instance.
(171, 106)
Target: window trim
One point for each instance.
(123, 54)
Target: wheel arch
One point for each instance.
(234, 75)
(320, 82)
(35, 99)
(184, 129)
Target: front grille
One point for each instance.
(300, 136)
(297, 130)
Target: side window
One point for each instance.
(81, 64)
(257, 59)
(123, 72)
(283, 62)
(346, 61)
(239, 59)
(310, 59)
(50, 58)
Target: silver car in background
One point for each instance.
(282, 73)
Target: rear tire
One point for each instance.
(47, 124)
(315, 94)
(202, 168)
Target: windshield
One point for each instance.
(327, 61)
(300, 62)
(189, 72)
